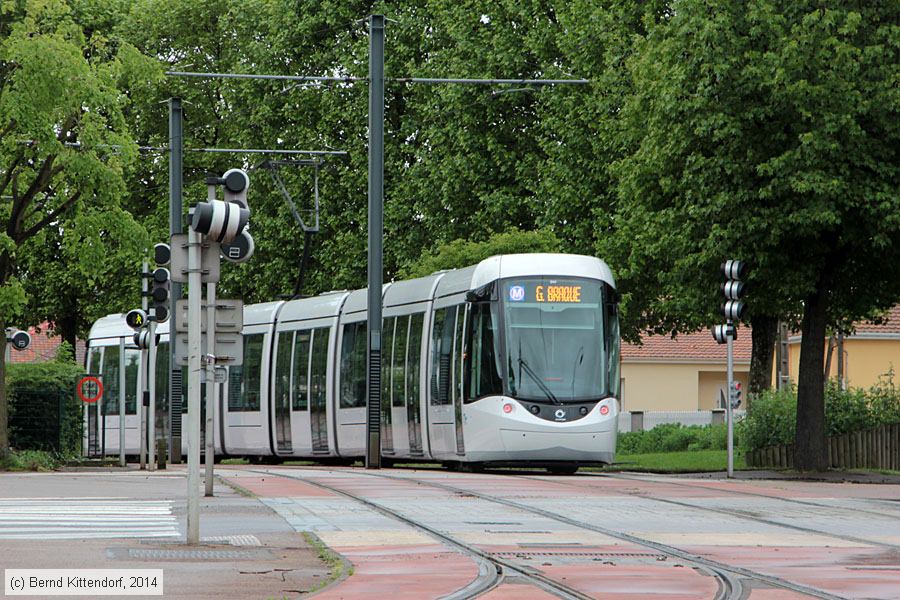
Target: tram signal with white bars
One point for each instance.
(142, 339)
(223, 221)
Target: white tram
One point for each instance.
(513, 361)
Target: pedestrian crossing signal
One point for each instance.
(136, 319)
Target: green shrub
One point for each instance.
(30, 460)
(770, 420)
(772, 416)
(673, 437)
(44, 413)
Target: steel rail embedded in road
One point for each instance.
(491, 569)
(737, 513)
(718, 568)
(742, 493)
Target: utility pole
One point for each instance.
(376, 227)
(121, 402)
(176, 168)
(193, 434)
(144, 370)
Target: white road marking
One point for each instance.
(85, 518)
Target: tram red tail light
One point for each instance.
(507, 408)
(604, 409)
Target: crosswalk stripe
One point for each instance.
(85, 518)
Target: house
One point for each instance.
(686, 373)
(869, 353)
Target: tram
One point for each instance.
(510, 362)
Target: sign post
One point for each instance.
(122, 402)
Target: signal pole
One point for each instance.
(732, 310)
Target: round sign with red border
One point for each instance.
(89, 389)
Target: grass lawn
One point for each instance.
(677, 462)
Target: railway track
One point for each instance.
(737, 513)
(730, 585)
(744, 493)
(728, 577)
(492, 570)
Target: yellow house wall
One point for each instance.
(668, 386)
(866, 360)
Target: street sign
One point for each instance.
(229, 316)
(136, 319)
(239, 249)
(209, 259)
(229, 348)
(89, 388)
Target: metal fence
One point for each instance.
(643, 421)
(44, 419)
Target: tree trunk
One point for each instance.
(809, 440)
(4, 404)
(764, 333)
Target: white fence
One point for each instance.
(642, 421)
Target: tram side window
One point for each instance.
(442, 355)
(398, 364)
(353, 365)
(482, 374)
(283, 345)
(110, 371)
(318, 378)
(458, 354)
(387, 347)
(301, 370)
(132, 366)
(413, 353)
(243, 390)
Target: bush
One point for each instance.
(44, 413)
(29, 460)
(673, 437)
(772, 416)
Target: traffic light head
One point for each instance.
(236, 183)
(220, 221)
(736, 393)
(159, 293)
(20, 340)
(733, 289)
(136, 319)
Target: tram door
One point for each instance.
(458, 354)
(413, 402)
(318, 379)
(281, 398)
(94, 447)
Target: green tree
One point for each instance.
(462, 253)
(766, 131)
(64, 147)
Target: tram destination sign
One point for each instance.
(552, 292)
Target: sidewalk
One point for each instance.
(55, 520)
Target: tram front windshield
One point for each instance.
(561, 340)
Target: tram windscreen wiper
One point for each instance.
(550, 395)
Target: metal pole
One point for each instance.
(210, 450)
(176, 167)
(376, 216)
(210, 385)
(728, 401)
(151, 391)
(144, 370)
(193, 384)
(121, 402)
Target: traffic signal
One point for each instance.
(236, 183)
(220, 221)
(18, 339)
(733, 289)
(142, 339)
(736, 393)
(721, 332)
(159, 293)
(136, 319)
